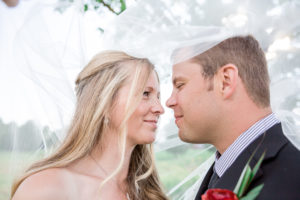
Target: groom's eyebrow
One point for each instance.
(176, 79)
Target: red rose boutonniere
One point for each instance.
(241, 187)
(219, 194)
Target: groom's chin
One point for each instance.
(188, 137)
(184, 136)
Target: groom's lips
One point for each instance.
(177, 118)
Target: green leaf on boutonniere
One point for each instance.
(253, 193)
(245, 181)
(246, 178)
(239, 183)
(256, 167)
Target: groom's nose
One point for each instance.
(171, 102)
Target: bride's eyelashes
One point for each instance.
(146, 94)
(158, 95)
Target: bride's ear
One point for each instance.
(226, 80)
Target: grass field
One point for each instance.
(4, 175)
(172, 167)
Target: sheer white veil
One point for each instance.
(45, 65)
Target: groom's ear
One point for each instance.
(227, 78)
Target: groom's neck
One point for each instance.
(237, 122)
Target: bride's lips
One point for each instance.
(152, 123)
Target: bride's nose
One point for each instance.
(157, 108)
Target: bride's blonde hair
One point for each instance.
(96, 88)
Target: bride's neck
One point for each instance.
(108, 156)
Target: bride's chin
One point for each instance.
(149, 140)
(143, 141)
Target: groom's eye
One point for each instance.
(178, 86)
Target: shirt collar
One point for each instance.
(224, 161)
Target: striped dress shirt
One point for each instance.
(224, 161)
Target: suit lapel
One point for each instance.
(271, 142)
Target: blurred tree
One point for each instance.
(6, 136)
(31, 134)
(51, 139)
(114, 6)
(26, 137)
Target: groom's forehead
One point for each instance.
(186, 67)
(185, 70)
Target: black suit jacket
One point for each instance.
(279, 171)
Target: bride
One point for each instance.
(107, 153)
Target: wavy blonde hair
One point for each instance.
(96, 88)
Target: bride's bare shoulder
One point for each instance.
(47, 184)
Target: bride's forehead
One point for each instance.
(152, 80)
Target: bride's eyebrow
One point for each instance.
(149, 88)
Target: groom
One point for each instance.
(222, 97)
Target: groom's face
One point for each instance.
(194, 103)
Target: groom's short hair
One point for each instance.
(246, 53)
